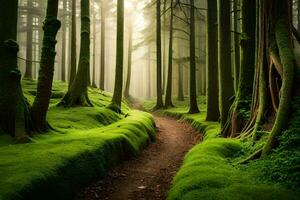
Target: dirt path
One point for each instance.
(149, 176)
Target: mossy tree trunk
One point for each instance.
(242, 103)
(274, 83)
(168, 101)
(102, 55)
(117, 96)
(77, 94)
(73, 45)
(281, 17)
(212, 101)
(94, 49)
(28, 69)
(226, 88)
(40, 105)
(129, 67)
(159, 98)
(193, 88)
(14, 112)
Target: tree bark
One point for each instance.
(168, 101)
(28, 69)
(117, 96)
(63, 46)
(128, 78)
(103, 33)
(242, 102)
(226, 89)
(212, 101)
(73, 45)
(40, 105)
(77, 94)
(14, 113)
(193, 88)
(237, 55)
(159, 98)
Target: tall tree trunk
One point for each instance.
(77, 94)
(73, 45)
(14, 113)
(193, 88)
(159, 98)
(40, 105)
(128, 78)
(236, 18)
(226, 89)
(103, 30)
(28, 72)
(63, 47)
(212, 113)
(117, 96)
(94, 50)
(168, 101)
(164, 64)
(242, 103)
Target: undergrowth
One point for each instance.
(85, 143)
(211, 170)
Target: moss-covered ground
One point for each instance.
(211, 171)
(85, 143)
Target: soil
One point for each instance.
(149, 176)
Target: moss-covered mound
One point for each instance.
(85, 144)
(211, 170)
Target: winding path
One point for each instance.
(149, 176)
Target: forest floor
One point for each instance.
(148, 176)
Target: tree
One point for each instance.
(38, 111)
(159, 99)
(168, 101)
(193, 91)
(117, 96)
(128, 78)
(212, 113)
(236, 41)
(242, 102)
(77, 94)
(28, 69)
(226, 88)
(73, 45)
(103, 33)
(14, 113)
(63, 44)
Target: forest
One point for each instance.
(150, 99)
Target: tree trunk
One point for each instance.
(14, 113)
(164, 64)
(117, 96)
(242, 103)
(73, 45)
(128, 78)
(40, 105)
(236, 18)
(180, 82)
(28, 70)
(212, 113)
(77, 94)
(63, 46)
(168, 101)
(103, 30)
(159, 98)
(283, 39)
(226, 89)
(94, 50)
(193, 90)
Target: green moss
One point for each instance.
(86, 143)
(210, 169)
